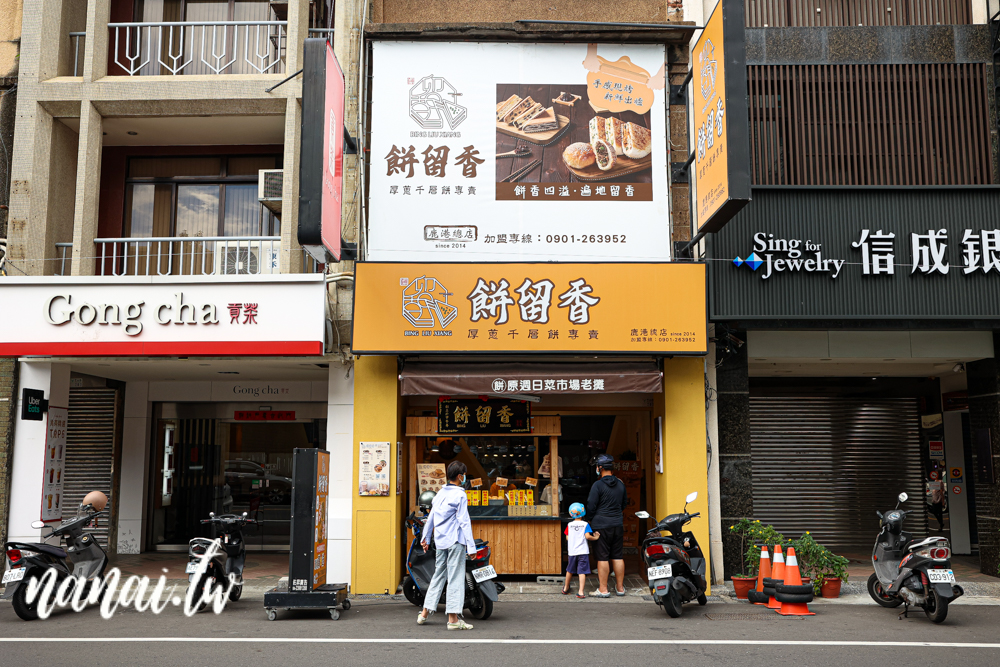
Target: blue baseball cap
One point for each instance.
(605, 461)
(577, 510)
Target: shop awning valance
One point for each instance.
(438, 379)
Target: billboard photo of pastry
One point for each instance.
(574, 141)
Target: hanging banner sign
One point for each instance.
(474, 415)
(719, 103)
(483, 308)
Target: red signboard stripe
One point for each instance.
(139, 348)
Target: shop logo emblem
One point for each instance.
(753, 261)
(709, 68)
(425, 301)
(499, 385)
(430, 109)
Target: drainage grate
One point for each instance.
(743, 617)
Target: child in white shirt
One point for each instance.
(578, 533)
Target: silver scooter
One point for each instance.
(82, 557)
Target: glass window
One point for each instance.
(197, 210)
(149, 211)
(243, 211)
(197, 197)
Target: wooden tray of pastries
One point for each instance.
(527, 120)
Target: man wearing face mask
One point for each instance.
(451, 527)
(606, 514)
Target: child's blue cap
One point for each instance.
(577, 510)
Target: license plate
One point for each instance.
(17, 574)
(659, 572)
(191, 567)
(484, 573)
(941, 576)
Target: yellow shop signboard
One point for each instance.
(656, 308)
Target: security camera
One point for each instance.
(958, 368)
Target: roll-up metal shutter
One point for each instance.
(827, 464)
(90, 446)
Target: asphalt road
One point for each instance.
(588, 632)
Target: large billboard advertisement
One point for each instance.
(487, 151)
(655, 308)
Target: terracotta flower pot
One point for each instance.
(830, 588)
(742, 586)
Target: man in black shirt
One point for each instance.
(606, 515)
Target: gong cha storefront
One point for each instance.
(526, 405)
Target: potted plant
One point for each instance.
(833, 575)
(753, 535)
(811, 556)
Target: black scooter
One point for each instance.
(82, 557)
(911, 572)
(229, 557)
(481, 591)
(675, 565)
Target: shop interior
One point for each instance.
(510, 478)
(202, 465)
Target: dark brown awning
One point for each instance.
(420, 379)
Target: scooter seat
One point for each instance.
(40, 547)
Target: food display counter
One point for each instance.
(513, 497)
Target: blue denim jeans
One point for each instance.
(449, 567)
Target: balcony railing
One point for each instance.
(220, 47)
(189, 256)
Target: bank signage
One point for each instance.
(487, 151)
(176, 315)
(860, 253)
(628, 308)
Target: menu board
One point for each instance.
(373, 471)
(431, 477)
(55, 456)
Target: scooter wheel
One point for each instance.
(235, 593)
(335, 614)
(877, 594)
(24, 611)
(410, 591)
(703, 599)
(271, 614)
(936, 607)
(672, 603)
(346, 605)
(483, 608)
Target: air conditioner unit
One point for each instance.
(247, 258)
(269, 184)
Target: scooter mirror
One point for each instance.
(38, 525)
(903, 497)
(691, 497)
(642, 515)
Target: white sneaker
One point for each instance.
(461, 625)
(421, 619)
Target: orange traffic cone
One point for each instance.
(762, 573)
(777, 574)
(794, 578)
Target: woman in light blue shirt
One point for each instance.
(452, 531)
